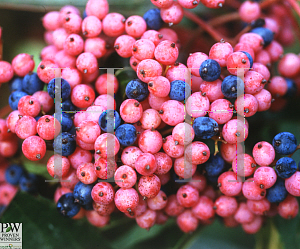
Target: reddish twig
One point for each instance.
(295, 6)
(267, 3)
(293, 20)
(233, 16)
(5, 111)
(205, 26)
(237, 37)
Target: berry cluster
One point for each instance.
(153, 148)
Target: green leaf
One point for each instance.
(8, 229)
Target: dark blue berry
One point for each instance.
(177, 90)
(126, 134)
(210, 70)
(284, 143)
(64, 144)
(109, 120)
(230, 86)
(14, 98)
(285, 167)
(67, 106)
(277, 193)
(249, 58)
(14, 173)
(153, 19)
(82, 193)
(29, 183)
(214, 166)
(205, 127)
(84, 15)
(37, 118)
(2, 208)
(65, 88)
(16, 84)
(32, 83)
(136, 89)
(265, 33)
(66, 122)
(292, 88)
(67, 206)
(88, 206)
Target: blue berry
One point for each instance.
(84, 15)
(136, 89)
(277, 193)
(16, 84)
(66, 143)
(28, 183)
(249, 58)
(109, 117)
(292, 88)
(285, 167)
(126, 134)
(32, 83)
(65, 89)
(230, 85)
(2, 208)
(265, 33)
(205, 127)
(214, 165)
(88, 206)
(14, 98)
(82, 193)
(153, 19)
(67, 106)
(14, 173)
(67, 206)
(37, 118)
(66, 122)
(284, 143)
(210, 70)
(177, 90)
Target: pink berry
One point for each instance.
(166, 52)
(172, 112)
(102, 143)
(263, 153)
(158, 202)
(22, 64)
(103, 193)
(253, 192)
(147, 219)
(48, 127)
(56, 170)
(265, 177)
(147, 69)
(278, 86)
(127, 200)
(82, 96)
(260, 207)
(197, 153)
(51, 20)
(289, 208)
(173, 14)
(203, 209)
(246, 105)
(46, 70)
(243, 214)
(197, 105)
(172, 148)
(237, 60)
(149, 186)
(212, 90)
(254, 226)
(6, 72)
(145, 164)
(187, 196)
(289, 65)
(162, 3)
(88, 131)
(131, 111)
(129, 155)
(163, 162)
(104, 81)
(183, 168)
(29, 105)
(135, 26)
(72, 23)
(79, 157)
(150, 141)
(96, 219)
(34, 148)
(87, 63)
(98, 8)
(225, 206)
(96, 46)
(86, 173)
(221, 110)
(45, 100)
(73, 44)
(220, 52)
(124, 45)
(150, 119)
(125, 177)
(229, 183)
(194, 62)
(91, 26)
(143, 49)
(255, 41)
(292, 184)
(183, 133)
(249, 11)
(187, 221)
(159, 86)
(105, 168)
(235, 131)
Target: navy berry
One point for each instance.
(210, 70)
(32, 83)
(230, 86)
(214, 165)
(67, 206)
(65, 89)
(177, 90)
(16, 84)
(277, 193)
(153, 19)
(205, 127)
(126, 134)
(285, 167)
(29, 183)
(14, 173)
(65, 144)
(82, 193)
(265, 33)
(249, 58)
(136, 89)
(14, 98)
(109, 120)
(284, 143)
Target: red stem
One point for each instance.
(295, 6)
(208, 28)
(1, 47)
